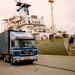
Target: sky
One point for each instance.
(63, 12)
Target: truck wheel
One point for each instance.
(4, 59)
(11, 61)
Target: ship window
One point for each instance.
(39, 31)
(28, 21)
(23, 21)
(20, 22)
(17, 23)
(34, 17)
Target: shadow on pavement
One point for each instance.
(54, 67)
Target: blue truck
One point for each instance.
(17, 46)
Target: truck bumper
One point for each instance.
(26, 58)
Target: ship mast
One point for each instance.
(52, 26)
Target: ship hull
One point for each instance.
(56, 46)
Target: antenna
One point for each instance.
(23, 6)
(18, 3)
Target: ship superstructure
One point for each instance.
(25, 22)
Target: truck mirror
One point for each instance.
(12, 43)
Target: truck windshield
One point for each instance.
(25, 43)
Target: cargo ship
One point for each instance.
(49, 41)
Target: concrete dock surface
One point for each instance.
(46, 65)
(59, 65)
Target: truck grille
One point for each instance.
(26, 52)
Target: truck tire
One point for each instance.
(11, 61)
(5, 59)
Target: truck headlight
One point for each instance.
(16, 58)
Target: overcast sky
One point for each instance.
(63, 10)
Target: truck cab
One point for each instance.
(22, 47)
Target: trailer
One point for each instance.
(17, 46)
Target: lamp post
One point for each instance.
(52, 1)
